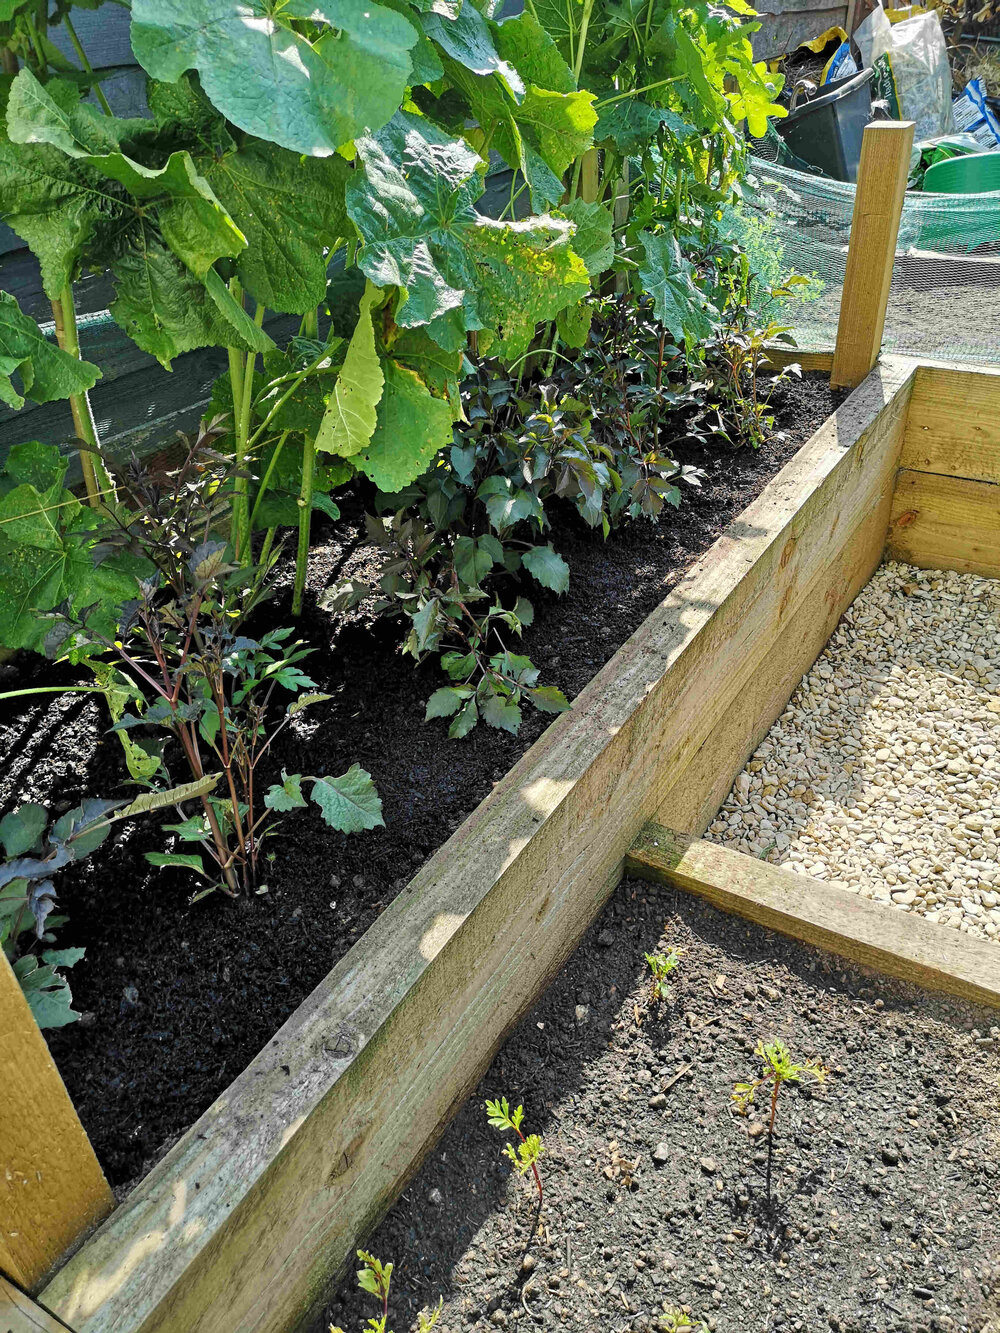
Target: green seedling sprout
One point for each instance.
(778, 1069)
(530, 1147)
(676, 1321)
(376, 1277)
(661, 965)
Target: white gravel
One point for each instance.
(883, 773)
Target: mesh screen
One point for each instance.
(945, 295)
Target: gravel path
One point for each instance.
(883, 773)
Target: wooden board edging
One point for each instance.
(242, 1225)
(822, 913)
(946, 523)
(52, 1189)
(20, 1314)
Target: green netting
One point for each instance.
(945, 295)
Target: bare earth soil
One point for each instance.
(177, 999)
(884, 1215)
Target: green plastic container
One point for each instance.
(978, 173)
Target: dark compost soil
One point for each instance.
(884, 1215)
(177, 999)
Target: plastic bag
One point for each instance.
(912, 73)
(975, 117)
(929, 151)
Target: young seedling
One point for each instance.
(376, 1277)
(676, 1321)
(778, 1069)
(528, 1150)
(661, 965)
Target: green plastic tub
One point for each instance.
(978, 173)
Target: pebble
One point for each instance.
(883, 772)
(661, 1154)
(709, 1165)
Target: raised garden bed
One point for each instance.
(883, 1212)
(249, 1216)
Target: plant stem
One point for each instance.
(266, 479)
(8, 60)
(305, 498)
(588, 7)
(241, 368)
(770, 1135)
(534, 1168)
(305, 521)
(87, 66)
(95, 474)
(634, 92)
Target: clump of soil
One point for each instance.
(883, 1217)
(178, 998)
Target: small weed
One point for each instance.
(778, 1069)
(530, 1147)
(661, 965)
(676, 1321)
(376, 1277)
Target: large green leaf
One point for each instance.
(562, 124)
(79, 197)
(45, 551)
(269, 78)
(414, 207)
(290, 209)
(668, 277)
(193, 223)
(632, 124)
(46, 990)
(47, 372)
(412, 427)
(349, 803)
(528, 272)
(525, 44)
(593, 239)
(349, 420)
(466, 37)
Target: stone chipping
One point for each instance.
(883, 772)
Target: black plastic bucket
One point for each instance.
(826, 132)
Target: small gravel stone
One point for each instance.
(883, 772)
(582, 1015)
(661, 1153)
(709, 1165)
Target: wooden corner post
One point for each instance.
(52, 1189)
(878, 205)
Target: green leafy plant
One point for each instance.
(37, 849)
(778, 1069)
(191, 672)
(234, 195)
(376, 1277)
(529, 1147)
(674, 1320)
(662, 966)
(476, 522)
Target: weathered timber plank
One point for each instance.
(946, 523)
(878, 205)
(801, 586)
(954, 424)
(705, 782)
(260, 1204)
(780, 357)
(51, 1187)
(20, 1314)
(827, 915)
